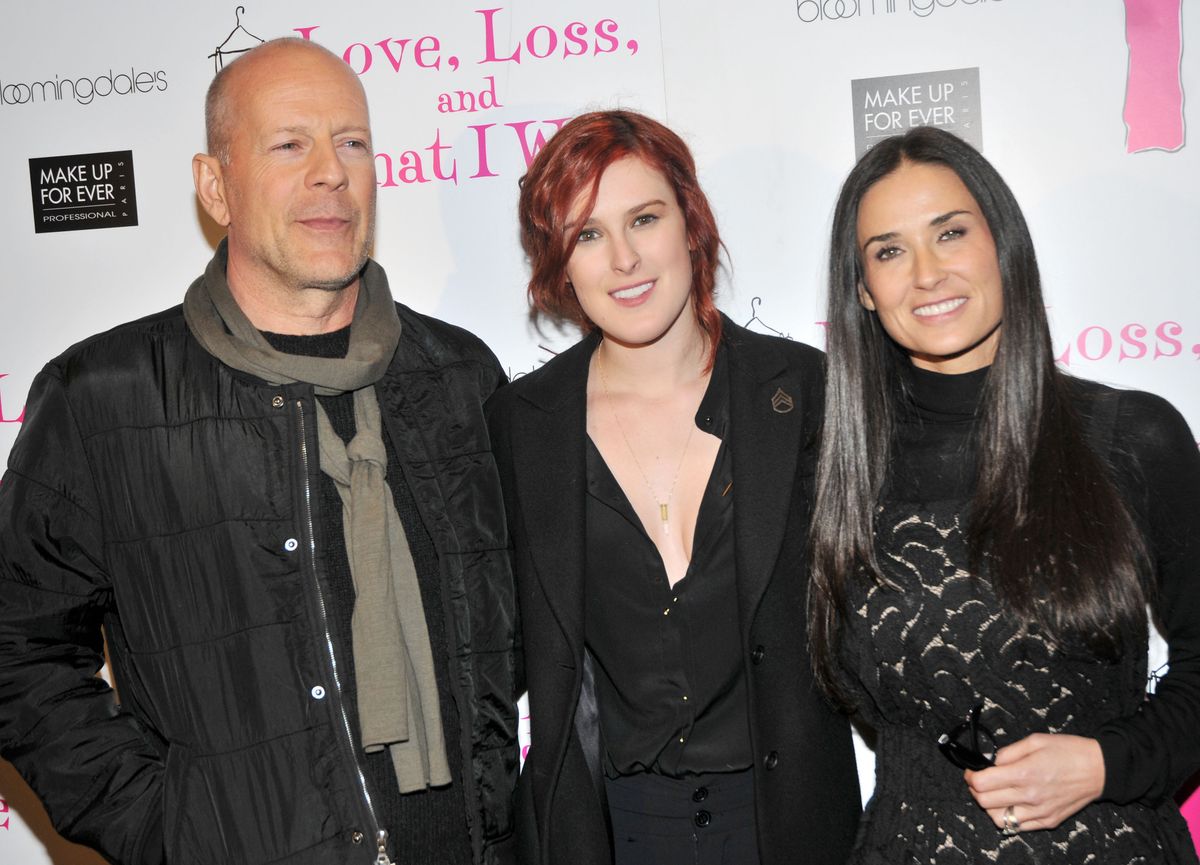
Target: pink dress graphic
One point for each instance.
(1153, 91)
(1191, 812)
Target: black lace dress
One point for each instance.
(918, 659)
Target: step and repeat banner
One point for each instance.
(1081, 104)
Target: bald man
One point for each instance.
(278, 501)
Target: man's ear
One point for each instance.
(209, 177)
(864, 296)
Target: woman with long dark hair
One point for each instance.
(987, 535)
(658, 478)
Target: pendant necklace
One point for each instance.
(663, 504)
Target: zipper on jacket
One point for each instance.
(381, 842)
(380, 833)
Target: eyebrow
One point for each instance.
(946, 217)
(645, 205)
(933, 223)
(637, 208)
(879, 238)
(307, 130)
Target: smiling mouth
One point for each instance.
(633, 292)
(940, 308)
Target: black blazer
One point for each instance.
(806, 788)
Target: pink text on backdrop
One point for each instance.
(411, 166)
(424, 52)
(470, 101)
(1154, 91)
(438, 160)
(4, 810)
(1132, 341)
(541, 42)
(5, 419)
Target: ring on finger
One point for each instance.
(1011, 824)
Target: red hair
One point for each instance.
(573, 161)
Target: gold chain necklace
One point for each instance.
(663, 505)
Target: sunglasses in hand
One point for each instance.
(970, 745)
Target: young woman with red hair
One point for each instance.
(658, 478)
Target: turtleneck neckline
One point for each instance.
(946, 397)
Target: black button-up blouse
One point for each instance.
(670, 681)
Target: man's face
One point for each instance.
(300, 180)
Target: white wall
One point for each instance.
(760, 90)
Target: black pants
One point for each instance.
(699, 820)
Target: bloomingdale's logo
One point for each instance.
(84, 89)
(809, 11)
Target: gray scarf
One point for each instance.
(397, 692)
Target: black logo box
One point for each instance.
(82, 191)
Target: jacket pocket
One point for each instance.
(249, 806)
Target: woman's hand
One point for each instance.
(1044, 778)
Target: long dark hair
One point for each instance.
(1047, 525)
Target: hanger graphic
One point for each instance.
(754, 319)
(218, 56)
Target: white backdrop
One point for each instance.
(1085, 119)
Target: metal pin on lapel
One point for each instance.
(782, 402)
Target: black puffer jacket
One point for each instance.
(160, 494)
